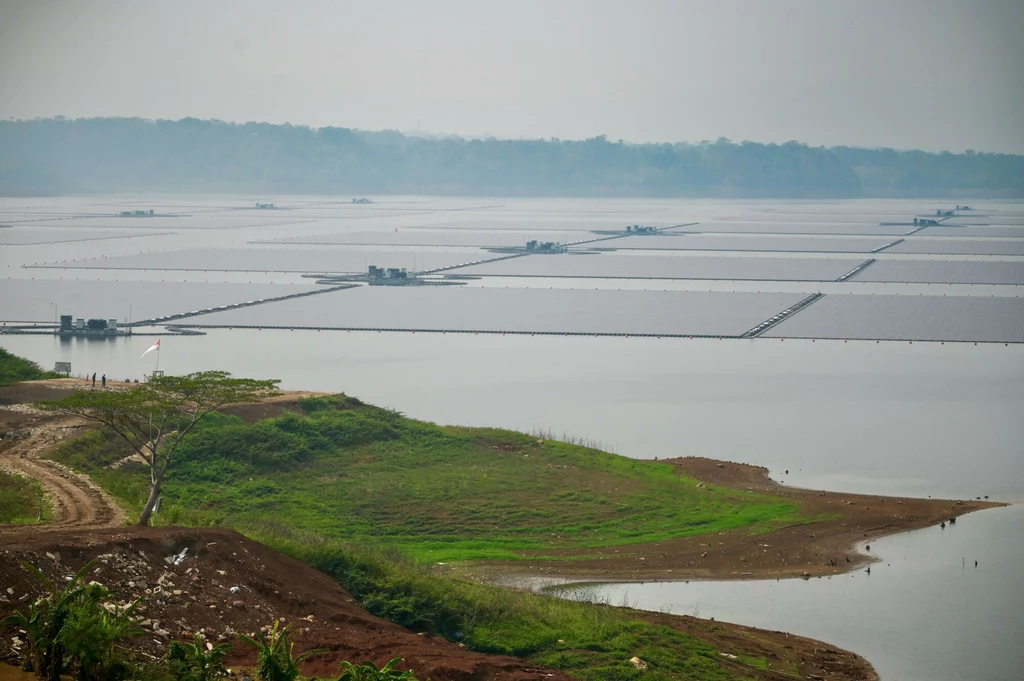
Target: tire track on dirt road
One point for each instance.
(77, 502)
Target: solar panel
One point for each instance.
(890, 317)
(666, 267)
(281, 260)
(113, 299)
(702, 242)
(797, 227)
(960, 246)
(943, 272)
(522, 310)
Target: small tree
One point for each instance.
(155, 417)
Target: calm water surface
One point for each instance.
(925, 612)
(895, 418)
(888, 418)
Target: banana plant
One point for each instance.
(367, 671)
(47, 619)
(197, 661)
(276, 659)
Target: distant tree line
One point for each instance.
(57, 155)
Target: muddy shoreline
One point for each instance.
(828, 546)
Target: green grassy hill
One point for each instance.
(373, 498)
(349, 471)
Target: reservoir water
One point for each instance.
(892, 417)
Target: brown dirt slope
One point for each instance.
(197, 596)
(227, 584)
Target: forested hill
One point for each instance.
(48, 156)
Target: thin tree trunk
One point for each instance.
(154, 494)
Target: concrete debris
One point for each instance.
(177, 559)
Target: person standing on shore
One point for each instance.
(104, 384)
(94, 379)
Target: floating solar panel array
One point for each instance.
(280, 260)
(913, 318)
(162, 223)
(34, 236)
(869, 219)
(422, 237)
(987, 219)
(780, 227)
(959, 246)
(456, 309)
(778, 244)
(119, 300)
(542, 224)
(943, 272)
(948, 230)
(666, 267)
(861, 243)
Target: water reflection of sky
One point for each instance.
(887, 418)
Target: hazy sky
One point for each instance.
(930, 74)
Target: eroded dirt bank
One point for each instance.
(217, 582)
(224, 584)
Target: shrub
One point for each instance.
(69, 630)
(14, 369)
(197, 661)
(276, 660)
(367, 671)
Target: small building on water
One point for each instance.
(71, 326)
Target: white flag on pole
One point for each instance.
(154, 346)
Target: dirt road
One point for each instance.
(28, 434)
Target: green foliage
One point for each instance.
(367, 671)
(19, 499)
(275, 655)
(14, 369)
(466, 494)
(69, 630)
(132, 154)
(155, 417)
(197, 661)
(588, 641)
(341, 473)
(91, 636)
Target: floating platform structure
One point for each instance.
(70, 326)
(383, 276)
(534, 247)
